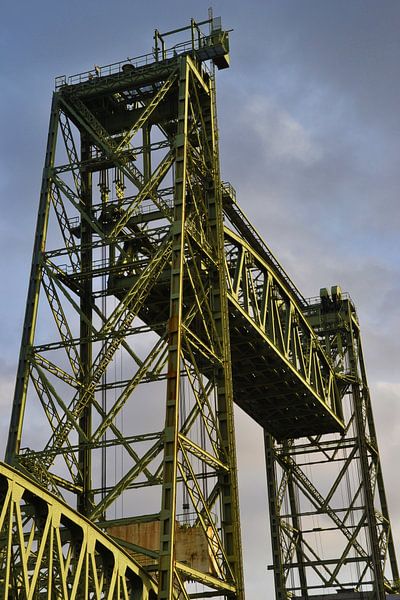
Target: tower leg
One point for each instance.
(84, 501)
(168, 501)
(28, 334)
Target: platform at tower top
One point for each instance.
(211, 45)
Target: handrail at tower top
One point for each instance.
(212, 45)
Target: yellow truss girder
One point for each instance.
(48, 550)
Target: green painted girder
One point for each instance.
(290, 388)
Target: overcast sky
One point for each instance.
(310, 138)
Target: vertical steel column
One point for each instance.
(380, 483)
(227, 481)
(146, 151)
(18, 409)
(372, 533)
(294, 508)
(359, 388)
(85, 467)
(274, 518)
(168, 501)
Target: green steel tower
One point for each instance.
(153, 307)
(128, 296)
(329, 516)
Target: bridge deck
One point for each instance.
(268, 391)
(266, 387)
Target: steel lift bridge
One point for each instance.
(153, 307)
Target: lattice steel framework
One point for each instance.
(128, 295)
(329, 515)
(153, 306)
